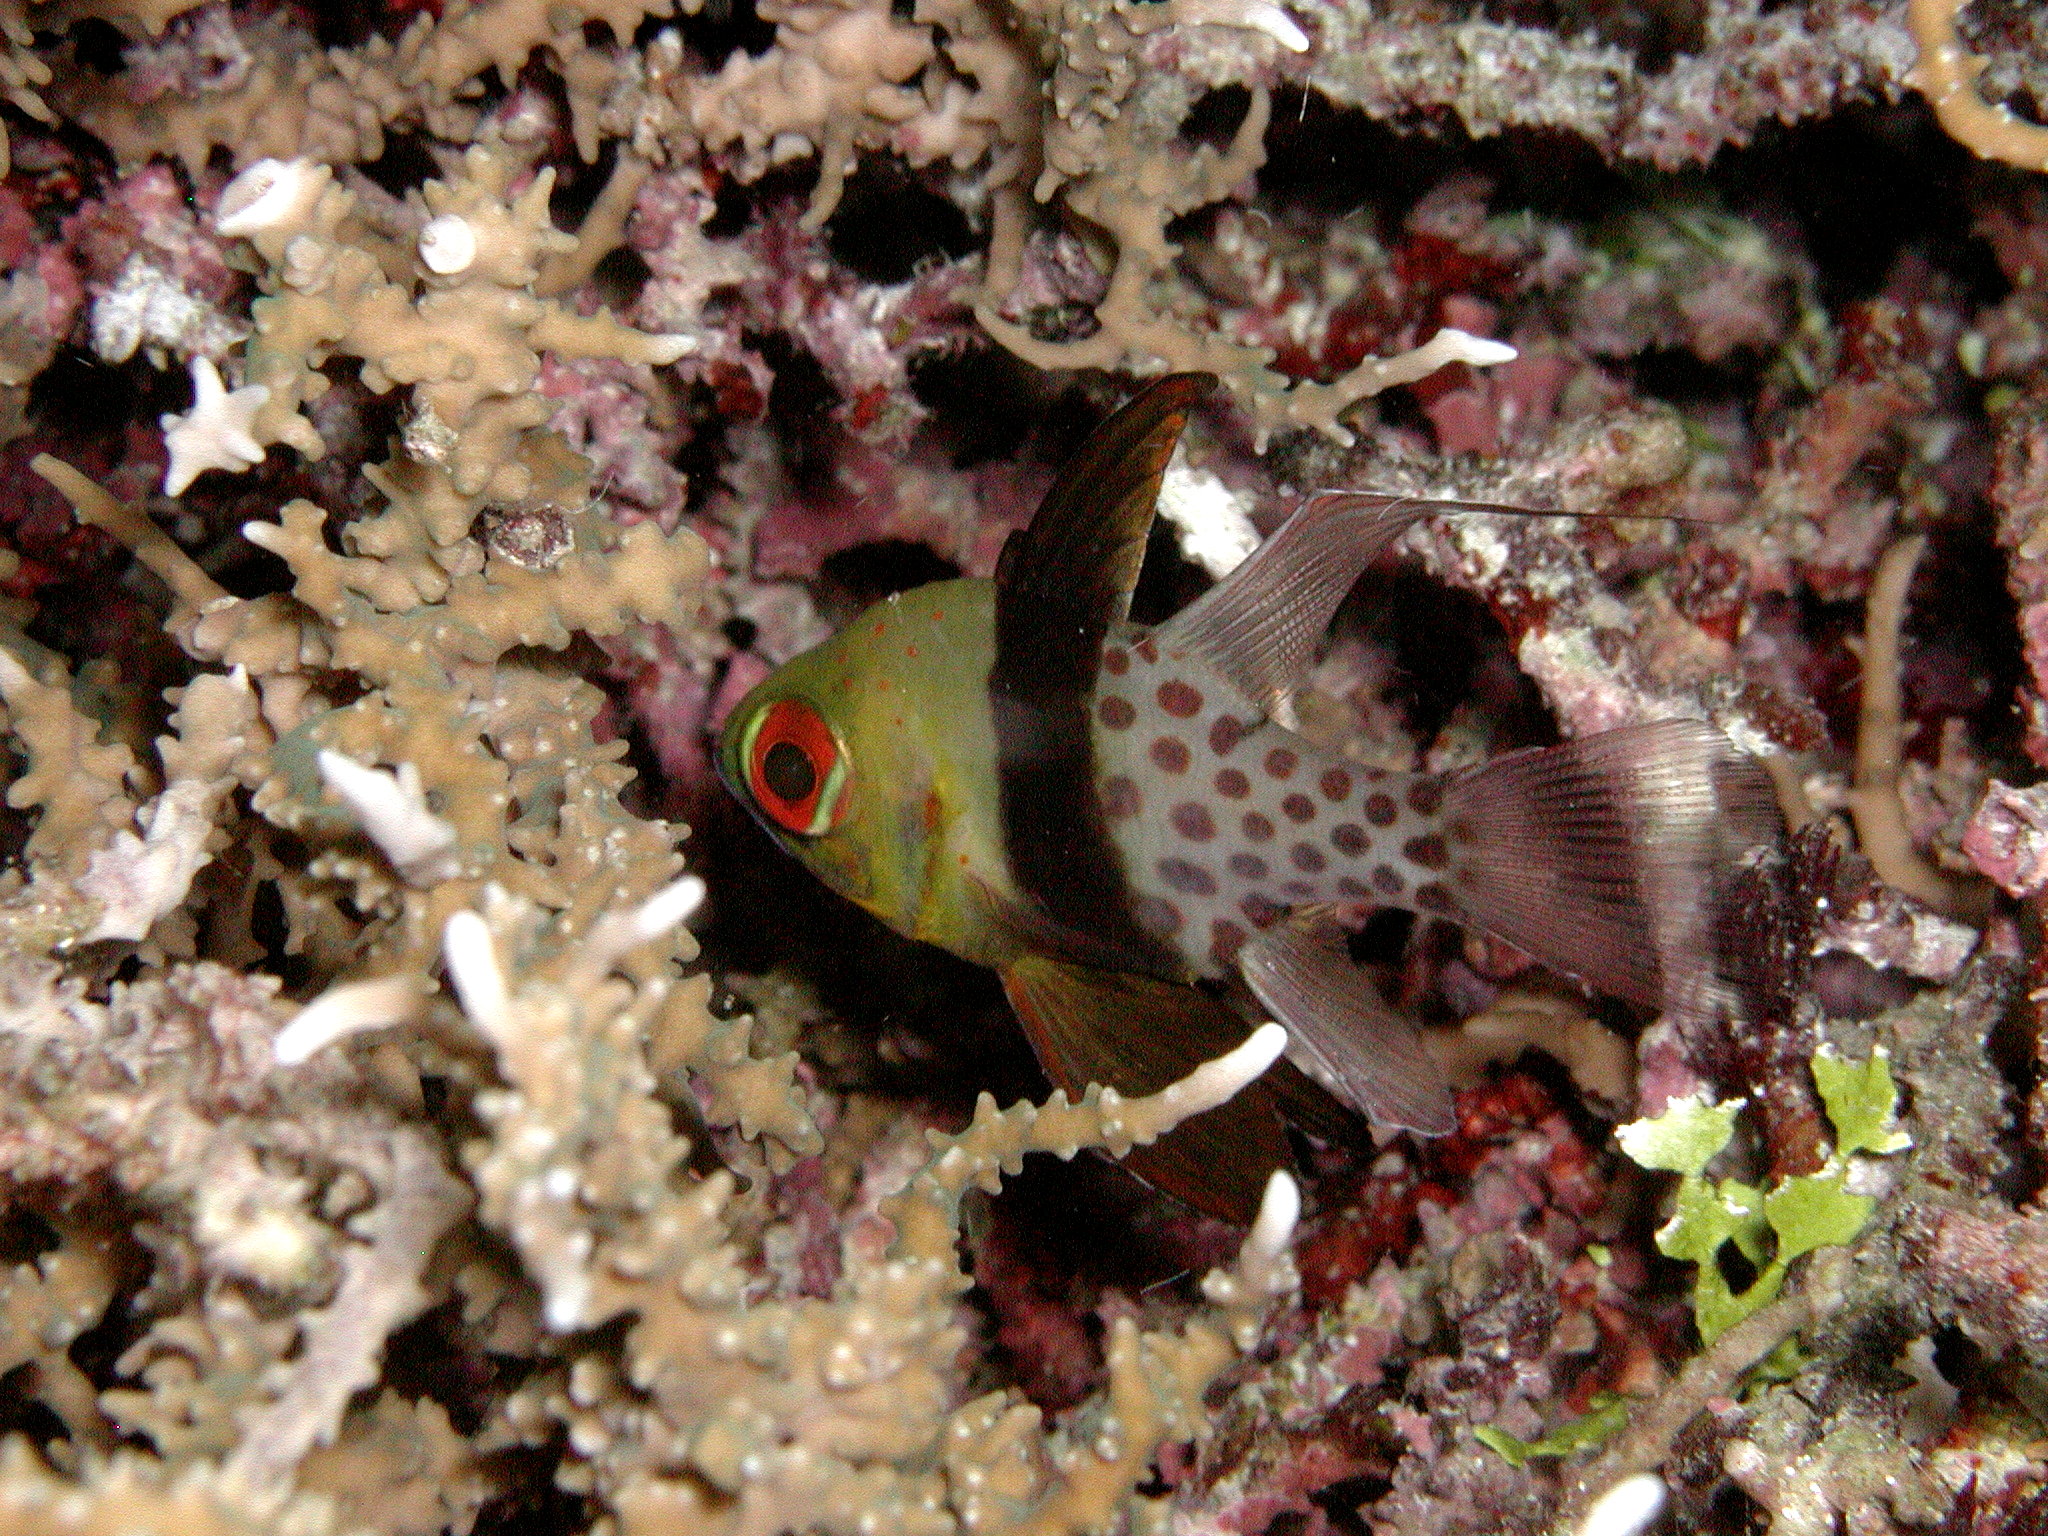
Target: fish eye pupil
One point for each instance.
(788, 772)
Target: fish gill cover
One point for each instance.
(425, 422)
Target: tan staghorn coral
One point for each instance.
(298, 99)
(463, 329)
(130, 1495)
(839, 80)
(22, 72)
(1946, 74)
(748, 1412)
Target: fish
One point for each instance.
(1113, 817)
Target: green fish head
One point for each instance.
(872, 761)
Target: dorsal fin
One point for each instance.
(1060, 584)
(1260, 626)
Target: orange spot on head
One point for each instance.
(910, 651)
(880, 626)
(934, 811)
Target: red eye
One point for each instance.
(794, 769)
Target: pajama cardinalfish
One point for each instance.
(1111, 817)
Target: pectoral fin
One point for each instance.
(1340, 1033)
(1137, 1035)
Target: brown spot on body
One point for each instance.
(1247, 866)
(1225, 732)
(1387, 880)
(1335, 784)
(1298, 890)
(1261, 911)
(1231, 784)
(1281, 763)
(1188, 878)
(1192, 821)
(1428, 851)
(1299, 808)
(1147, 651)
(1349, 839)
(1225, 940)
(1169, 753)
(1116, 661)
(1158, 915)
(1257, 827)
(1380, 809)
(1308, 858)
(1115, 712)
(1346, 886)
(1181, 700)
(1120, 798)
(1425, 795)
(1434, 898)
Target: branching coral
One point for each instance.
(751, 1412)
(1946, 72)
(1880, 747)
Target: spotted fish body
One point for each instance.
(1225, 822)
(1110, 816)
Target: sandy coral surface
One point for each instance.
(427, 1103)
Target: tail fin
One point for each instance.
(1615, 858)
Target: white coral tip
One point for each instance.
(1216, 1082)
(348, 1009)
(1627, 1509)
(217, 433)
(1251, 15)
(1273, 1228)
(667, 907)
(267, 195)
(1458, 346)
(448, 245)
(668, 348)
(1278, 25)
(479, 979)
(393, 812)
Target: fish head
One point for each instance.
(871, 760)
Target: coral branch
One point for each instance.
(1946, 74)
(394, 814)
(1881, 743)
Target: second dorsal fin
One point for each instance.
(1260, 626)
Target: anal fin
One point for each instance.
(1340, 1033)
(1137, 1034)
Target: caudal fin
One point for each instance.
(1616, 858)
